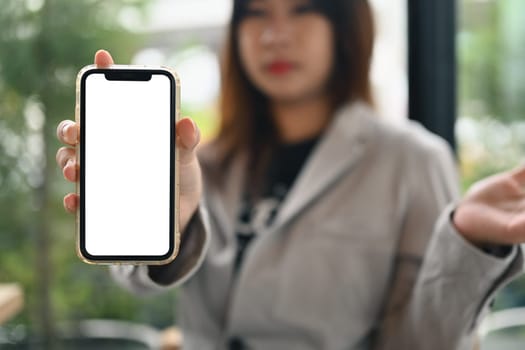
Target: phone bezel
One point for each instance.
(132, 73)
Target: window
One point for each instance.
(491, 116)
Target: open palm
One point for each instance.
(493, 210)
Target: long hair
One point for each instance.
(245, 123)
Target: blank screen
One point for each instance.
(127, 166)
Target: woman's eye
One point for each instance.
(255, 12)
(301, 9)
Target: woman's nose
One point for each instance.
(277, 32)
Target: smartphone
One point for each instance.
(129, 182)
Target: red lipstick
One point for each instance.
(280, 67)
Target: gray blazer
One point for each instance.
(361, 255)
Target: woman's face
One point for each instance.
(286, 48)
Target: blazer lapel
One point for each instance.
(340, 148)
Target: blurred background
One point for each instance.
(48, 298)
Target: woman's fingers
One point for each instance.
(71, 203)
(519, 175)
(67, 132)
(64, 155)
(103, 59)
(66, 160)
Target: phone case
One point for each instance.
(176, 233)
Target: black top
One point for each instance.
(256, 215)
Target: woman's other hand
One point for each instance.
(493, 210)
(188, 137)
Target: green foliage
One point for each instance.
(206, 119)
(491, 49)
(41, 50)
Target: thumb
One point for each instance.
(188, 135)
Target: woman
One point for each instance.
(319, 226)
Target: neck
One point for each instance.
(301, 120)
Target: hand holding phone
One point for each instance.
(113, 149)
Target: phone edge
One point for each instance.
(176, 233)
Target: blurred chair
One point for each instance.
(503, 330)
(171, 339)
(11, 301)
(97, 334)
(110, 333)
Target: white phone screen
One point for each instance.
(127, 144)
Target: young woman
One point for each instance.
(316, 225)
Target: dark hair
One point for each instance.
(244, 111)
